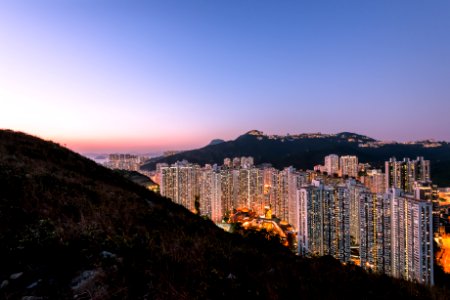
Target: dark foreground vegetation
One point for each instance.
(70, 229)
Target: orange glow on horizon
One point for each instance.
(131, 144)
(106, 142)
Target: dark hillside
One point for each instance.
(135, 177)
(70, 229)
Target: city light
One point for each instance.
(344, 209)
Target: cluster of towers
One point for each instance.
(381, 221)
(346, 165)
(125, 161)
(235, 185)
(389, 232)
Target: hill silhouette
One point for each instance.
(71, 229)
(304, 151)
(136, 177)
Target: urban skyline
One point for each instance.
(283, 227)
(135, 76)
(386, 226)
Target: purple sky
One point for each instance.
(107, 75)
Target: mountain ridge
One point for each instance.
(304, 151)
(216, 142)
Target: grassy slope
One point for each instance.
(59, 212)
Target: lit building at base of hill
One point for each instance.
(210, 194)
(179, 182)
(375, 232)
(412, 238)
(397, 235)
(271, 225)
(323, 221)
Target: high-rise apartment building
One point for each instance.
(226, 186)
(256, 189)
(402, 174)
(243, 200)
(355, 189)
(422, 169)
(375, 232)
(411, 238)
(396, 235)
(425, 190)
(247, 162)
(340, 224)
(210, 197)
(227, 162)
(280, 205)
(236, 162)
(348, 166)
(323, 221)
(217, 207)
(125, 161)
(310, 221)
(179, 182)
(270, 186)
(375, 181)
(332, 164)
(206, 190)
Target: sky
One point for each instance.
(141, 76)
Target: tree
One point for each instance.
(197, 205)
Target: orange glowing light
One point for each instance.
(443, 255)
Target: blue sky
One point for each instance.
(149, 75)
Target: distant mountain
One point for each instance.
(303, 151)
(71, 229)
(216, 142)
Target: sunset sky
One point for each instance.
(140, 76)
